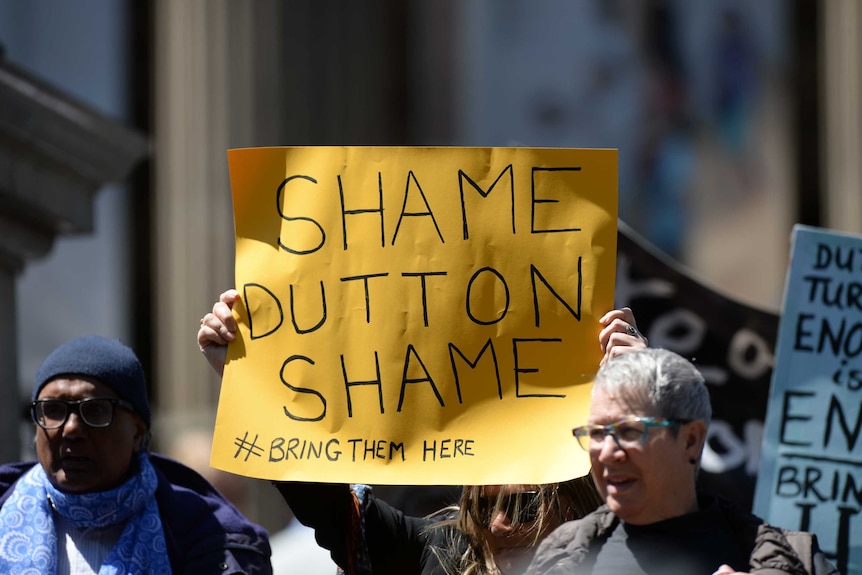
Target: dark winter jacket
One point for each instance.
(772, 550)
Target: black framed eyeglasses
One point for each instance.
(94, 411)
(627, 433)
(522, 507)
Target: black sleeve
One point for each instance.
(395, 542)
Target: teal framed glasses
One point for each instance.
(631, 432)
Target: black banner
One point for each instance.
(731, 343)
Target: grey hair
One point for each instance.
(659, 379)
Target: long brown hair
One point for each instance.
(468, 552)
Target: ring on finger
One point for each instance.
(632, 330)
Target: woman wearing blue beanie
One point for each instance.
(97, 501)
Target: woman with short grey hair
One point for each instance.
(649, 414)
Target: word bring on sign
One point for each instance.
(416, 315)
(811, 462)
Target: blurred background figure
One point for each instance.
(666, 152)
(735, 82)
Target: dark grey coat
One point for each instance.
(772, 550)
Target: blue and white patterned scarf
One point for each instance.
(28, 540)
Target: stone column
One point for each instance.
(192, 223)
(207, 99)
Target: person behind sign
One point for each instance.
(649, 415)
(492, 530)
(97, 501)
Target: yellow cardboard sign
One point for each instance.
(416, 315)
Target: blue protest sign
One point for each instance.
(811, 462)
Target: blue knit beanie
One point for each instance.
(106, 360)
